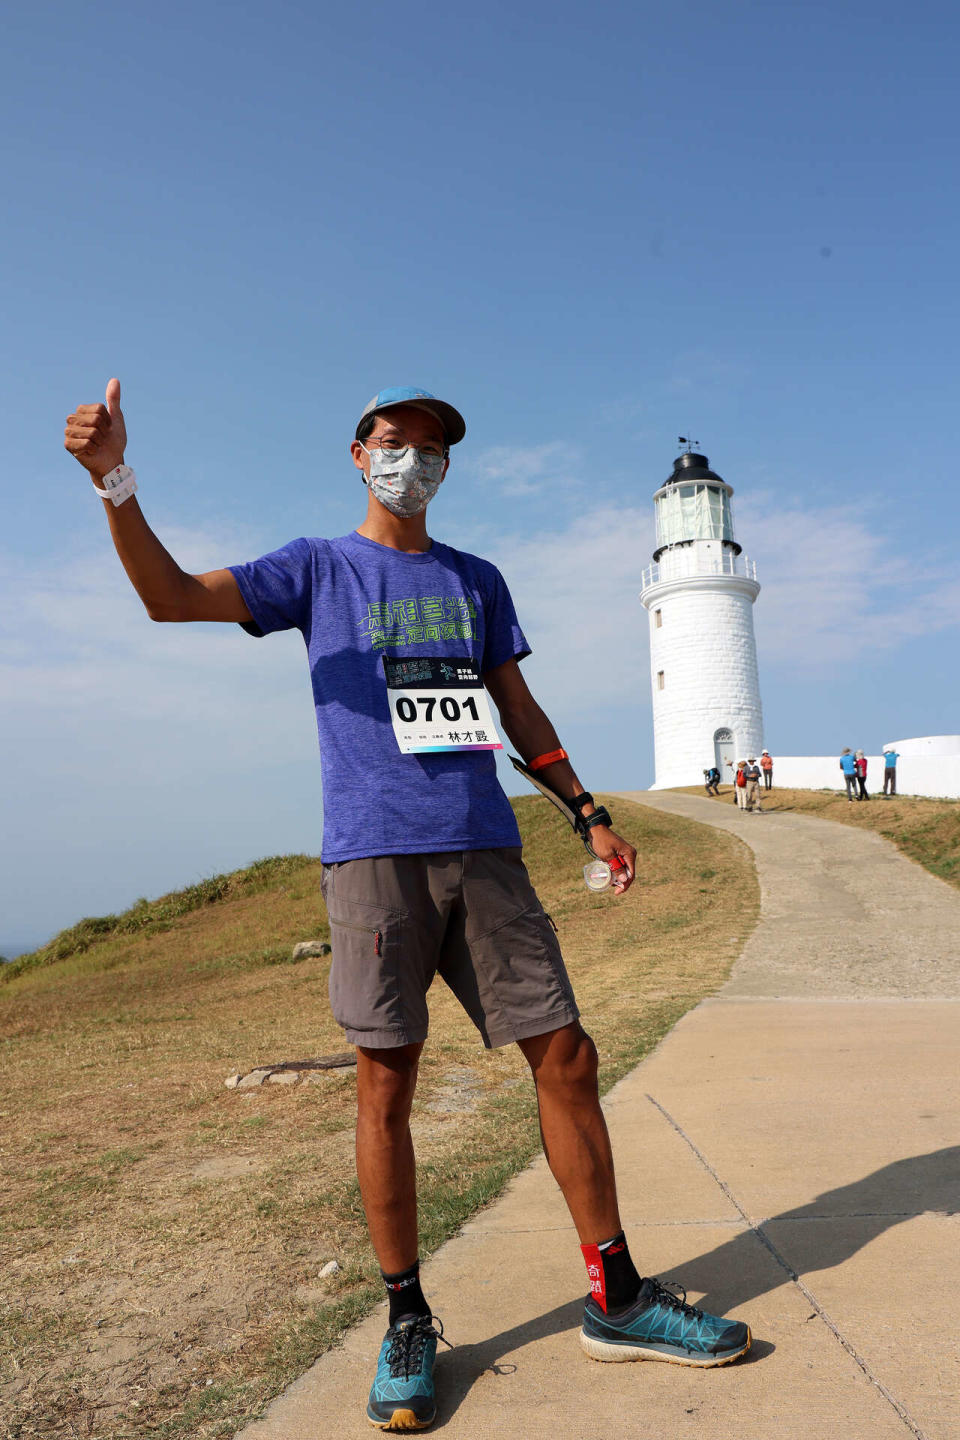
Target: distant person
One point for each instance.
(421, 829)
(890, 758)
(766, 765)
(711, 779)
(733, 780)
(740, 784)
(849, 767)
(752, 772)
(860, 765)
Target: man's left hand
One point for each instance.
(609, 846)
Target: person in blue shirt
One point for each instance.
(711, 780)
(848, 765)
(890, 758)
(422, 868)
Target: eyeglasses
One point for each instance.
(396, 452)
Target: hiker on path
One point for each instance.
(734, 792)
(890, 758)
(431, 834)
(860, 765)
(711, 779)
(766, 765)
(740, 784)
(849, 767)
(752, 773)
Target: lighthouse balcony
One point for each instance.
(689, 564)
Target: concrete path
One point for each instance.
(789, 1152)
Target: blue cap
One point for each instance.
(454, 426)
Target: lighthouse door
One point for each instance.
(723, 752)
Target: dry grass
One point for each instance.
(928, 831)
(161, 1236)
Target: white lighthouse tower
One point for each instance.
(703, 656)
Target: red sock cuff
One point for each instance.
(594, 1263)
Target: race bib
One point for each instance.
(439, 704)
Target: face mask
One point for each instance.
(405, 481)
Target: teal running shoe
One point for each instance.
(402, 1395)
(660, 1325)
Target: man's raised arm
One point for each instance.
(96, 436)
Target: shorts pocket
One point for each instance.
(365, 971)
(523, 982)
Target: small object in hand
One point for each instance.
(597, 875)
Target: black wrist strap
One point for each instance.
(584, 824)
(600, 816)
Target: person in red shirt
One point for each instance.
(766, 765)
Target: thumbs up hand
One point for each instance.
(96, 435)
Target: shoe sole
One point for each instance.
(605, 1350)
(402, 1420)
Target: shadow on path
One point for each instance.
(830, 1229)
(817, 1236)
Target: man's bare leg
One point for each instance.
(574, 1131)
(386, 1169)
(624, 1318)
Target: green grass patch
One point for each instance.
(149, 917)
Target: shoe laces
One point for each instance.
(405, 1355)
(663, 1291)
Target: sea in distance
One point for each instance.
(11, 949)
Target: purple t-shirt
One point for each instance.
(355, 601)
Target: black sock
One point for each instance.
(614, 1281)
(404, 1293)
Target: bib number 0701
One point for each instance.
(450, 709)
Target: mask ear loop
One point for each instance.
(363, 475)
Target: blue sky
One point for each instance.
(592, 230)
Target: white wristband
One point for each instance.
(120, 484)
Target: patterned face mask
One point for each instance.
(406, 480)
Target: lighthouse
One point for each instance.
(699, 594)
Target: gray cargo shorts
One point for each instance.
(470, 916)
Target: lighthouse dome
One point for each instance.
(693, 504)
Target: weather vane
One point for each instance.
(682, 439)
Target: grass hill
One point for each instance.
(161, 1236)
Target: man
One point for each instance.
(752, 774)
(422, 867)
(890, 758)
(711, 780)
(734, 781)
(766, 765)
(848, 765)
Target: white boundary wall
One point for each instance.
(937, 776)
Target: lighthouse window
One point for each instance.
(659, 679)
(658, 618)
(693, 512)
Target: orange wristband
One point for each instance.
(549, 759)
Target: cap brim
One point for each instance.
(454, 425)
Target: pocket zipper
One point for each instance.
(364, 929)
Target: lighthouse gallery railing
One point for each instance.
(681, 566)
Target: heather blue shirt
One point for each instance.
(355, 601)
(848, 764)
(890, 758)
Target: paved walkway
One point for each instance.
(789, 1152)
